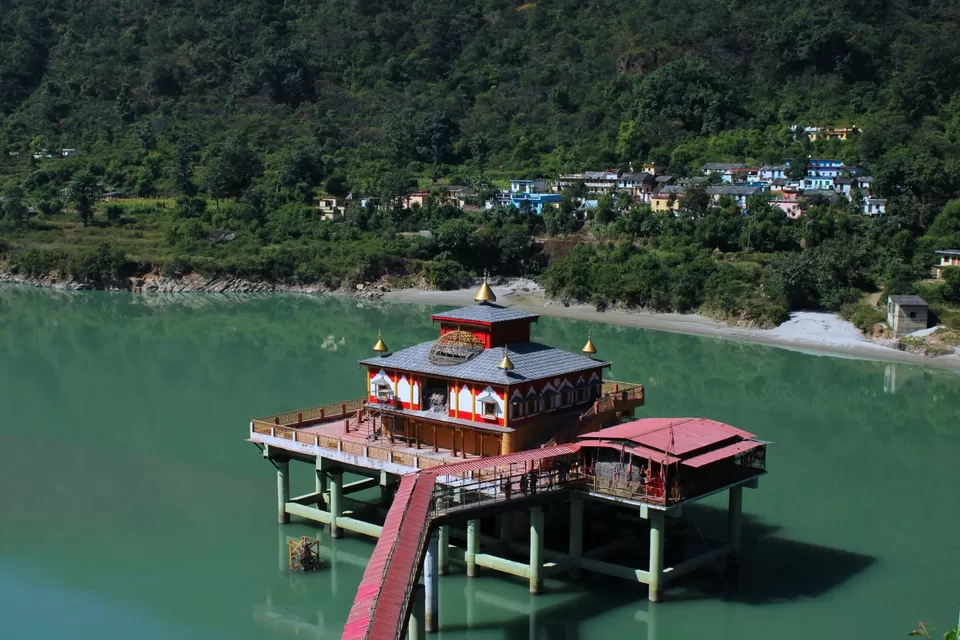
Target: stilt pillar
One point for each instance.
(321, 485)
(336, 502)
(657, 530)
(536, 549)
(576, 531)
(734, 517)
(283, 490)
(431, 584)
(416, 627)
(473, 547)
(443, 543)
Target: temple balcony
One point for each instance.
(402, 440)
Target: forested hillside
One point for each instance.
(246, 110)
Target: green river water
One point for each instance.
(132, 507)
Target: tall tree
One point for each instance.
(85, 192)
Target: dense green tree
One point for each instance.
(85, 192)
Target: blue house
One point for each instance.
(534, 201)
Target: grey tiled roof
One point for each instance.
(531, 361)
(485, 313)
(911, 301)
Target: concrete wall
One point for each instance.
(900, 320)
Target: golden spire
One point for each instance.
(485, 294)
(505, 364)
(588, 348)
(381, 346)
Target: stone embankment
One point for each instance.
(153, 282)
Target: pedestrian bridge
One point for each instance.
(384, 598)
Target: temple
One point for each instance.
(471, 437)
(483, 387)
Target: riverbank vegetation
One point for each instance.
(181, 137)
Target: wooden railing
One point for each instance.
(334, 443)
(509, 483)
(313, 415)
(611, 393)
(641, 491)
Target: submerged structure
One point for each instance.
(473, 436)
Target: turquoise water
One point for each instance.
(132, 507)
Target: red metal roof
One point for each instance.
(637, 450)
(724, 452)
(687, 434)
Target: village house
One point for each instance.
(667, 198)
(739, 193)
(728, 172)
(651, 168)
(874, 206)
(331, 207)
(773, 172)
(788, 202)
(534, 201)
(636, 183)
(948, 258)
(528, 186)
(906, 314)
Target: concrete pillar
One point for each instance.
(444, 550)
(384, 487)
(416, 626)
(431, 584)
(576, 531)
(536, 549)
(657, 531)
(734, 516)
(283, 490)
(473, 547)
(321, 483)
(336, 502)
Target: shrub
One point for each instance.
(446, 274)
(102, 266)
(863, 315)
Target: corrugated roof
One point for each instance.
(531, 361)
(486, 313)
(723, 452)
(688, 434)
(913, 301)
(637, 450)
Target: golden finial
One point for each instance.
(588, 348)
(485, 294)
(381, 346)
(505, 364)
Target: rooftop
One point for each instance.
(676, 435)
(723, 166)
(910, 301)
(531, 361)
(948, 252)
(484, 314)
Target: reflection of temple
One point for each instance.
(484, 388)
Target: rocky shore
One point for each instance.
(153, 282)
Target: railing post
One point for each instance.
(616, 387)
(299, 417)
(273, 432)
(322, 413)
(343, 409)
(276, 419)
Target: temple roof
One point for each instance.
(531, 361)
(484, 313)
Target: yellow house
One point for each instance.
(331, 207)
